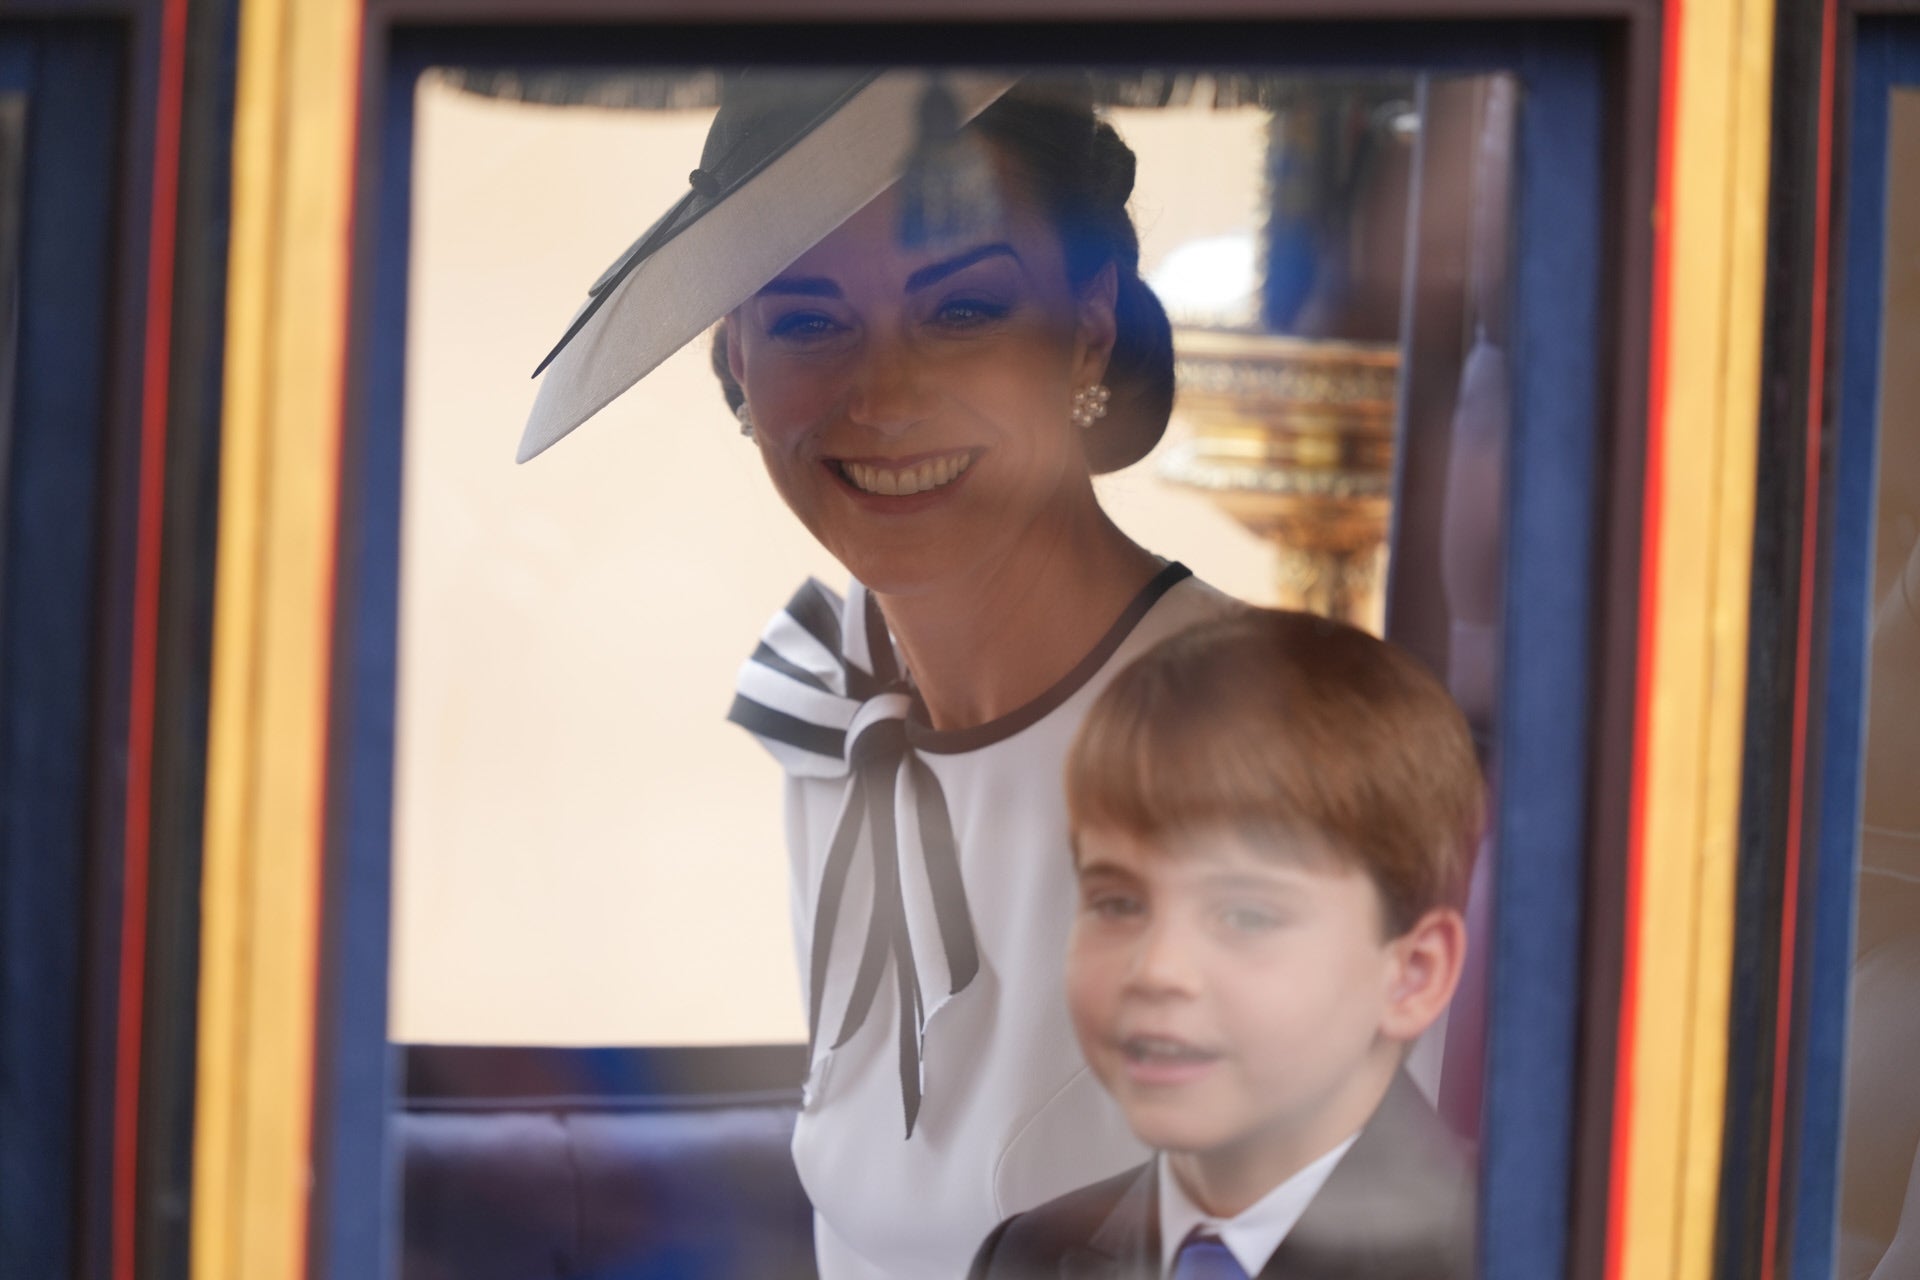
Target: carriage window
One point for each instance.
(1880, 1188)
(585, 851)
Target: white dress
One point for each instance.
(945, 1092)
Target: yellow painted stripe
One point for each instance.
(286, 311)
(1702, 562)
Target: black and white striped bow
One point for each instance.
(825, 693)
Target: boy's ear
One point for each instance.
(1427, 962)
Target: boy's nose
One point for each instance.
(1163, 961)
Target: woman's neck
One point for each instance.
(997, 639)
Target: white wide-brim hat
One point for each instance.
(789, 158)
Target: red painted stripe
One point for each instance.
(1658, 330)
(1803, 651)
(145, 625)
(320, 1159)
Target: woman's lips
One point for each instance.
(903, 477)
(1164, 1060)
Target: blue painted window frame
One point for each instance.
(1556, 464)
(51, 546)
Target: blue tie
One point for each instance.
(1205, 1258)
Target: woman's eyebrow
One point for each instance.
(934, 274)
(801, 286)
(821, 287)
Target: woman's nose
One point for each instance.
(888, 392)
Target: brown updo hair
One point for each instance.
(1080, 174)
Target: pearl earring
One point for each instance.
(745, 415)
(1089, 405)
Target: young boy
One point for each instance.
(1274, 817)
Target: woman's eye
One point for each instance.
(803, 325)
(968, 313)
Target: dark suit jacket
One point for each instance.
(1398, 1206)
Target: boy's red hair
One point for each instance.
(1276, 721)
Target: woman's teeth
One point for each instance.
(898, 483)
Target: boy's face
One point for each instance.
(1233, 1001)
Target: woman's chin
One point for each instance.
(917, 557)
(907, 573)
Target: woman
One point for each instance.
(933, 411)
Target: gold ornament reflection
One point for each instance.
(1293, 438)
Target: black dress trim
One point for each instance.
(922, 736)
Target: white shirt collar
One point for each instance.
(1253, 1235)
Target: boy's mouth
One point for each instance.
(890, 478)
(1162, 1060)
(1163, 1049)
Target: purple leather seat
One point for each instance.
(552, 1164)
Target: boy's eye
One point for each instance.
(1244, 919)
(1113, 906)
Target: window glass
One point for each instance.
(1880, 1188)
(586, 853)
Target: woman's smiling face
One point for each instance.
(912, 405)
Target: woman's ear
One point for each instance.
(1427, 960)
(736, 359)
(1098, 327)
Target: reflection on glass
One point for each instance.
(1880, 1188)
(1288, 343)
(587, 854)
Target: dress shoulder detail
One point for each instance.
(826, 694)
